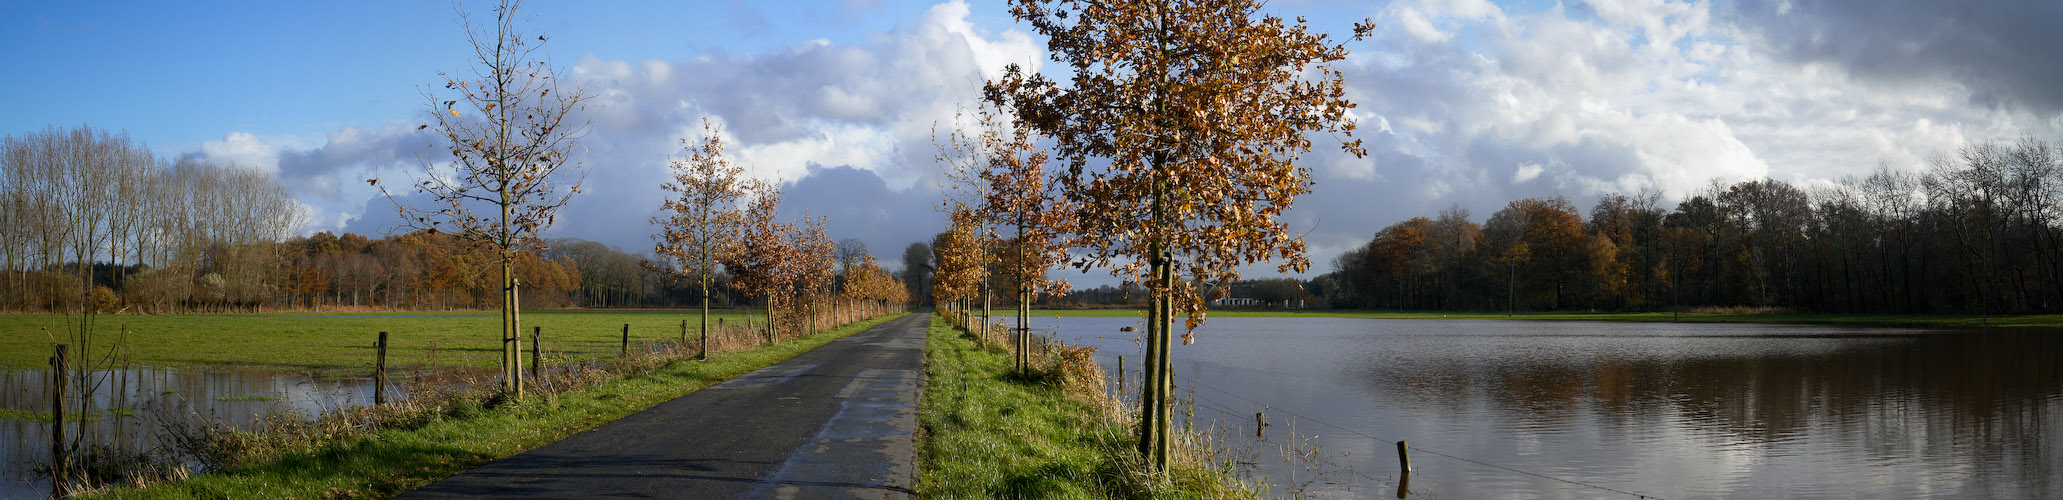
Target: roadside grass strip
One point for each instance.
(989, 433)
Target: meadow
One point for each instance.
(343, 342)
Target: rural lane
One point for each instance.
(835, 422)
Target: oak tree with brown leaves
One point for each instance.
(758, 264)
(957, 253)
(1021, 194)
(1179, 129)
(703, 216)
(511, 138)
(964, 153)
(813, 267)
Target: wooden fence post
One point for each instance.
(1404, 456)
(624, 351)
(1260, 424)
(536, 352)
(379, 372)
(60, 465)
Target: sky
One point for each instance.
(1462, 103)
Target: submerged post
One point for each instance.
(379, 372)
(1260, 424)
(59, 463)
(1404, 456)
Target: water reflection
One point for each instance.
(1675, 411)
(130, 406)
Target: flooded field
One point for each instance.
(131, 408)
(1531, 409)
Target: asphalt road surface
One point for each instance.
(835, 422)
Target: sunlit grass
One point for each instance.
(340, 342)
(991, 434)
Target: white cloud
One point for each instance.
(243, 150)
(1527, 172)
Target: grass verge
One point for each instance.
(989, 433)
(1940, 320)
(381, 463)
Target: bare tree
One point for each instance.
(512, 144)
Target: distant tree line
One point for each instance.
(70, 198)
(1976, 232)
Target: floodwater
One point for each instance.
(1531, 409)
(144, 400)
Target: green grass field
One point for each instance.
(340, 342)
(1949, 320)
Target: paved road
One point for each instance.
(835, 422)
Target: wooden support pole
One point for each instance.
(624, 349)
(59, 463)
(536, 352)
(379, 372)
(1404, 456)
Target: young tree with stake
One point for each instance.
(1022, 195)
(703, 218)
(512, 142)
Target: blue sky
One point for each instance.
(1463, 103)
(175, 74)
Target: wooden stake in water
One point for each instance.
(1404, 456)
(1121, 375)
(379, 372)
(1260, 424)
(59, 366)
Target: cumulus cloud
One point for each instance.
(846, 127)
(2000, 54)
(327, 175)
(1473, 104)
(864, 110)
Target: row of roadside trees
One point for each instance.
(719, 220)
(1976, 232)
